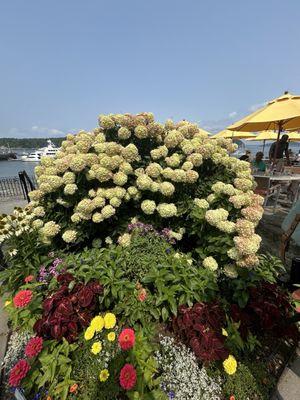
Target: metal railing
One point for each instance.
(17, 186)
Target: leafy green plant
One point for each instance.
(148, 381)
(52, 368)
(176, 282)
(234, 341)
(23, 264)
(24, 318)
(269, 268)
(142, 252)
(249, 382)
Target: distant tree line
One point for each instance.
(29, 143)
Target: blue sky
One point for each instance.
(63, 62)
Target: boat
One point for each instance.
(6, 154)
(49, 151)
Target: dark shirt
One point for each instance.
(244, 157)
(282, 148)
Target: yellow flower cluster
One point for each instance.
(230, 365)
(97, 324)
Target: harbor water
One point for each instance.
(11, 168)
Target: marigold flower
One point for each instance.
(34, 347)
(97, 323)
(22, 298)
(126, 339)
(111, 336)
(230, 365)
(104, 375)
(96, 348)
(18, 372)
(128, 377)
(89, 333)
(109, 320)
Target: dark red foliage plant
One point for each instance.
(69, 310)
(200, 328)
(268, 311)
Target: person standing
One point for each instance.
(282, 148)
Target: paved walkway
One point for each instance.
(8, 205)
(3, 332)
(288, 387)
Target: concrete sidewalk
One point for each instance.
(7, 205)
(3, 332)
(288, 387)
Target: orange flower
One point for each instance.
(73, 388)
(49, 398)
(232, 398)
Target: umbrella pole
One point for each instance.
(277, 142)
(264, 146)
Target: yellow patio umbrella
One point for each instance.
(293, 136)
(204, 131)
(271, 135)
(282, 113)
(233, 135)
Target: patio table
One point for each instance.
(282, 179)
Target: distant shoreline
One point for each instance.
(28, 143)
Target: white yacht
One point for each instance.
(49, 151)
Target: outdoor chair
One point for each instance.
(265, 189)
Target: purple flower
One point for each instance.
(57, 261)
(171, 395)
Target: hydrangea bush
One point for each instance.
(171, 175)
(134, 270)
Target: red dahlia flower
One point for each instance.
(29, 278)
(126, 339)
(18, 372)
(34, 347)
(22, 298)
(128, 377)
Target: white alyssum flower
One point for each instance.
(181, 375)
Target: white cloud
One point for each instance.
(232, 114)
(255, 107)
(46, 131)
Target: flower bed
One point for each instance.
(133, 273)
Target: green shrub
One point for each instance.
(249, 382)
